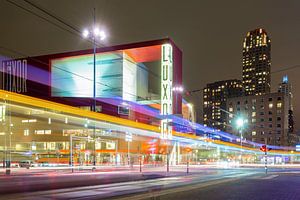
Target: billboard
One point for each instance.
(115, 76)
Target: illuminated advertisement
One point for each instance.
(13, 75)
(166, 90)
(115, 76)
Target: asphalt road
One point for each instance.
(232, 183)
(272, 187)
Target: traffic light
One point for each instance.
(263, 148)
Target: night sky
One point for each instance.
(210, 33)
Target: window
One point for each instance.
(253, 120)
(278, 98)
(238, 103)
(262, 119)
(123, 110)
(278, 132)
(278, 118)
(253, 114)
(278, 125)
(279, 105)
(261, 113)
(270, 119)
(253, 132)
(270, 99)
(278, 111)
(270, 125)
(39, 132)
(26, 132)
(270, 105)
(230, 109)
(270, 112)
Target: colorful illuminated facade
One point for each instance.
(126, 76)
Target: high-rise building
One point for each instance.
(214, 101)
(267, 117)
(264, 116)
(286, 88)
(256, 62)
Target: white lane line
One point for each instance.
(269, 177)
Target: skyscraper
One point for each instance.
(256, 62)
(266, 116)
(286, 88)
(215, 96)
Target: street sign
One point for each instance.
(128, 137)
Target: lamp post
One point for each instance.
(94, 34)
(240, 123)
(177, 90)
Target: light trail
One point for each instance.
(124, 125)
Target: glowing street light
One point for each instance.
(94, 34)
(177, 90)
(240, 123)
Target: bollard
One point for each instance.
(7, 172)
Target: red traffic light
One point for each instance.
(264, 148)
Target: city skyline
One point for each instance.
(218, 37)
(140, 99)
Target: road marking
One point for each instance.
(176, 190)
(269, 177)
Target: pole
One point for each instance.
(128, 157)
(94, 92)
(241, 146)
(266, 158)
(187, 163)
(139, 149)
(71, 152)
(8, 156)
(168, 159)
(140, 163)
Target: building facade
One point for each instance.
(214, 101)
(285, 87)
(256, 62)
(266, 116)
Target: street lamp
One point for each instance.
(94, 34)
(177, 90)
(240, 123)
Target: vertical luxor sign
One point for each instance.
(14, 76)
(166, 90)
